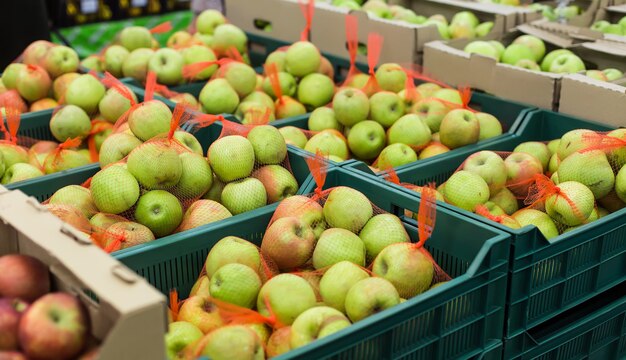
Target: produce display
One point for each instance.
(606, 27)
(307, 280)
(529, 52)
(557, 186)
(35, 322)
(463, 25)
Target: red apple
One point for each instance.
(54, 327)
(23, 277)
(10, 313)
(11, 355)
(36, 51)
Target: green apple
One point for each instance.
(114, 190)
(458, 128)
(386, 108)
(135, 37)
(572, 141)
(92, 62)
(613, 29)
(521, 168)
(261, 98)
(203, 212)
(347, 208)
(336, 282)
(612, 74)
(189, 142)
(160, 211)
(268, 144)
(553, 146)
(288, 296)
(178, 40)
(547, 61)
(116, 147)
(336, 245)
(406, 267)
(180, 335)
(483, 48)
(350, 106)
(590, 168)
(233, 341)
(499, 48)
(489, 126)
(114, 57)
(489, 166)
(102, 221)
(465, 17)
(461, 31)
(64, 160)
(620, 184)
(85, 92)
(218, 96)
(505, 199)
(70, 122)
(142, 160)
(315, 90)
(196, 54)
(230, 250)
(294, 136)
(370, 296)
(60, 60)
(289, 242)
(539, 219)
(391, 77)
(449, 96)
(596, 74)
(240, 76)
(379, 232)
(33, 83)
(323, 118)
(484, 28)
(516, 52)
(228, 36)
(432, 111)
(537, 149)
(136, 64)
(572, 205)
(377, 9)
(77, 196)
(567, 63)
(208, 20)
(276, 57)
(113, 105)
(528, 65)
(411, 130)
(244, 195)
(196, 177)
(11, 73)
(302, 58)
(553, 164)
(329, 142)
(236, 284)
(316, 323)
(395, 155)
(367, 139)
(201, 312)
(466, 190)
(535, 44)
(287, 84)
(167, 64)
(20, 172)
(231, 157)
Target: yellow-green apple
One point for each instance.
(411, 130)
(180, 335)
(316, 323)
(521, 168)
(43, 104)
(13, 154)
(202, 313)
(231, 158)
(337, 281)
(287, 107)
(377, 9)
(268, 144)
(391, 77)
(506, 200)
(103, 221)
(240, 76)
(535, 44)
(572, 141)
(66, 159)
(92, 62)
(201, 287)
(85, 92)
(23, 277)
(232, 249)
(113, 105)
(279, 342)
(289, 242)
(11, 74)
(20, 172)
(228, 36)
(395, 155)
(572, 205)
(304, 208)
(329, 142)
(483, 48)
(11, 310)
(218, 97)
(116, 147)
(541, 220)
(287, 84)
(36, 51)
(567, 63)
(590, 168)
(288, 296)
(135, 65)
(459, 127)
(367, 139)
(553, 146)
(498, 46)
(236, 284)
(596, 74)
(379, 232)
(186, 98)
(553, 164)
(244, 195)
(56, 323)
(208, 20)
(347, 208)
(370, 296)
(466, 190)
(114, 190)
(484, 28)
(160, 211)
(149, 119)
(516, 52)
(141, 164)
(461, 31)
(432, 111)
(302, 58)
(351, 106)
(179, 39)
(465, 17)
(261, 98)
(489, 166)
(547, 61)
(335, 245)
(135, 37)
(612, 74)
(279, 183)
(323, 118)
(168, 66)
(189, 141)
(60, 85)
(315, 90)
(203, 212)
(386, 108)
(232, 342)
(215, 192)
(196, 176)
(433, 149)
(620, 184)
(294, 136)
(489, 126)
(449, 96)
(114, 57)
(69, 122)
(60, 60)
(33, 83)
(77, 196)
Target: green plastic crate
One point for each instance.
(594, 330)
(458, 320)
(44, 187)
(547, 277)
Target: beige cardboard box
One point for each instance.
(285, 17)
(613, 13)
(449, 63)
(129, 318)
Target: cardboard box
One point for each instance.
(129, 318)
(449, 63)
(285, 17)
(404, 42)
(589, 14)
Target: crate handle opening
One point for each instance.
(263, 25)
(361, 48)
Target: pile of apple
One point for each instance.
(594, 180)
(393, 126)
(135, 51)
(529, 52)
(317, 285)
(151, 189)
(464, 24)
(36, 323)
(37, 81)
(607, 28)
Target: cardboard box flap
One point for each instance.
(285, 17)
(620, 9)
(607, 47)
(602, 54)
(558, 34)
(588, 98)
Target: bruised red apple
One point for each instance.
(125, 234)
(305, 209)
(23, 277)
(33, 83)
(11, 311)
(54, 327)
(279, 183)
(279, 342)
(36, 51)
(12, 355)
(289, 242)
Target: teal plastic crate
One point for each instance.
(44, 187)
(594, 330)
(547, 277)
(458, 320)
